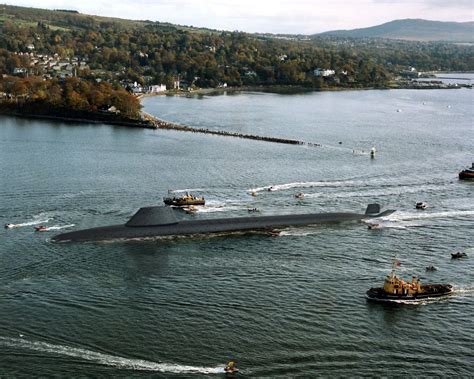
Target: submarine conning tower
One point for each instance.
(153, 216)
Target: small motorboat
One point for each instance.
(253, 193)
(396, 289)
(458, 255)
(372, 152)
(467, 174)
(41, 228)
(421, 205)
(271, 189)
(374, 226)
(190, 209)
(253, 210)
(10, 226)
(299, 195)
(230, 368)
(431, 268)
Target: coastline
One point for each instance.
(148, 121)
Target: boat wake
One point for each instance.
(106, 359)
(420, 302)
(286, 186)
(59, 227)
(409, 216)
(31, 223)
(464, 290)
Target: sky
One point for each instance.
(268, 16)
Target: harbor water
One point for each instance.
(286, 306)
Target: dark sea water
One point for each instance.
(288, 306)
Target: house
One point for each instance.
(157, 88)
(323, 72)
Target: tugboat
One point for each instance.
(467, 174)
(396, 289)
(421, 205)
(184, 201)
(458, 255)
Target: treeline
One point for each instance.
(49, 96)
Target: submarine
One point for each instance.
(161, 222)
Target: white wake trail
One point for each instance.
(106, 359)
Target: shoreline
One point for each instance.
(149, 121)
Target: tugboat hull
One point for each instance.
(429, 291)
(184, 202)
(466, 175)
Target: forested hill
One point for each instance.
(36, 42)
(413, 30)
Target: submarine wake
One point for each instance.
(106, 359)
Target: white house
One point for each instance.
(157, 88)
(323, 72)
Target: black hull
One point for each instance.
(183, 203)
(466, 175)
(430, 291)
(146, 226)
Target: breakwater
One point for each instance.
(161, 124)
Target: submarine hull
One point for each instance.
(159, 222)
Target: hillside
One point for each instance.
(413, 30)
(137, 55)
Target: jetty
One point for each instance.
(161, 124)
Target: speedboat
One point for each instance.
(230, 368)
(41, 228)
(396, 289)
(253, 210)
(184, 201)
(10, 226)
(299, 195)
(467, 174)
(458, 255)
(420, 205)
(190, 209)
(374, 226)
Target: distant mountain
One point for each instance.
(413, 30)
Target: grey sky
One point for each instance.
(273, 16)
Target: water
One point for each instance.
(291, 306)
